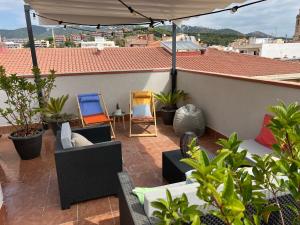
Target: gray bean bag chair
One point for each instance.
(189, 118)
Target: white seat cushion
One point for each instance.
(66, 136)
(176, 190)
(254, 147)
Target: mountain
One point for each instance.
(39, 32)
(259, 34)
(44, 32)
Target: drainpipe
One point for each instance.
(173, 70)
(37, 78)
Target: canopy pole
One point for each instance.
(30, 35)
(37, 77)
(173, 70)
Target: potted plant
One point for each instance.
(20, 111)
(235, 191)
(169, 104)
(53, 114)
(46, 91)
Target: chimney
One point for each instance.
(202, 51)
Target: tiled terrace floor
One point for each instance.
(31, 191)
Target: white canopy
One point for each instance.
(114, 12)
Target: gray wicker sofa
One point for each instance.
(132, 212)
(88, 172)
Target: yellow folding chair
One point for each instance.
(142, 111)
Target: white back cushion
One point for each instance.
(80, 141)
(66, 136)
(176, 191)
(254, 147)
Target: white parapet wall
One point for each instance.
(234, 105)
(281, 51)
(114, 87)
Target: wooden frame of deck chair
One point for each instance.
(91, 111)
(139, 99)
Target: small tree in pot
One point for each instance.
(169, 104)
(52, 111)
(266, 191)
(20, 111)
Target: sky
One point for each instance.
(275, 17)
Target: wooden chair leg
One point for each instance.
(130, 128)
(123, 119)
(112, 131)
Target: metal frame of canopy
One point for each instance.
(27, 9)
(168, 10)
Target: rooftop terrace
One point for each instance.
(31, 191)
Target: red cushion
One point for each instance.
(266, 136)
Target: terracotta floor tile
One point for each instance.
(103, 219)
(53, 215)
(31, 190)
(94, 207)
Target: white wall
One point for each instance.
(286, 50)
(233, 105)
(114, 87)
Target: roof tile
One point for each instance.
(84, 60)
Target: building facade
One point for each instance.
(99, 43)
(59, 40)
(41, 44)
(297, 29)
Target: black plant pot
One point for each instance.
(55, 126)
(168, 115)
(28, 147)
(185, 141)
(45, 125)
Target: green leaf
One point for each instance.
(236, 205)
(220, 157)
(267, 210)
(228, 188)
(196, 220)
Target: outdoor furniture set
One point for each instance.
(92, 167)
(132, 212)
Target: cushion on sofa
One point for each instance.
(140, 192)
(254, 147)
(176, 190)
(266, 136)
(80, 141)
(66, 136)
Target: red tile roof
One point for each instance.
(85, 60)
(220, 62)
(80, 60)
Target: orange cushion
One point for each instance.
(98, 118)
(266, 136)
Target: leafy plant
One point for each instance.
(176, 211)
(230, 187)
(285, 126)
(22, 99)
(45, 85)
(53, 109)
(212, 175)
(169, 100)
